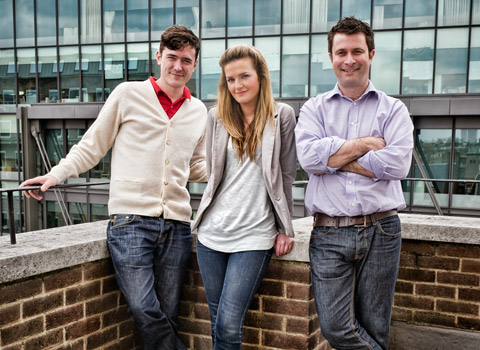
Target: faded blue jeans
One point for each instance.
(353, 275)
(230, 280)
(150, 257)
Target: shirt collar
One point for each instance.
(336, 91)
(158, 90)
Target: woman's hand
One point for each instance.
(283, 244)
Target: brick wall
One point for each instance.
(81, 308)
(282, 314)
(72, 309)
(439, 285)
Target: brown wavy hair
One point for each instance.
(245, 140)
(177, 37)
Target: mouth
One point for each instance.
(350, 70)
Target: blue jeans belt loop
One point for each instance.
(346, 221)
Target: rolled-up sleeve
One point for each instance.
(394, 160)
(314, 148)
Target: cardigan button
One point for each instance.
(277, 198)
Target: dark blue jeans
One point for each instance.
(353, 275)
(150, 257)
(230, 280)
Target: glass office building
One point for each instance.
(60, 59)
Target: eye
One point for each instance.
(230, 80)
(245, 76)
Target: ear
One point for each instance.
(372, 53)
(195, 64)
(330, 56)
(158, 56)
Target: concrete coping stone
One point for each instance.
(39, 252)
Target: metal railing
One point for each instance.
(10, 191)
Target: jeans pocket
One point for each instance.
(390, 227)
(119, 220)
(321, 231)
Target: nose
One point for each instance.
(177, 65)
(238, 84)
(350, 59)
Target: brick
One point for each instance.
(435, 291)
(97, 270)
(286, 307)
(274, 288)
(264, 321)
(113, 317)
(13, 347)
(12, 292)
(101, 304)
(98, 339)
(201, 312)
(299, 291)
(194, 326)
(127, 328)
(399, 314)
(438, 263)
(408, 259)
(459, 250)
(62, 279)
(288, 272)
(251, 335)
(42, 305)
(469, 294)
(194, 294)
(469, 323)
(457, 307)
(302, 326)
(82, 292)
(471, 266)
(255, 304)
(404, 287)
(458, 278)
(10, 314)
(20, 331)
(45, 341)
(185, 308)
(413, 302)
(197, 279)
(77, 345)
(109, 284)
(123, 344)
(284, 341)
(418, 248)
(434, 318)
(82, 328)
(64, 316)
(202, 343)
(416, 275)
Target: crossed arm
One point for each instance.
(346, 157)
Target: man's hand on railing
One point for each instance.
(46, 181)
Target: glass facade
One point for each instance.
(54, 51)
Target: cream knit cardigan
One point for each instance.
(153, 157)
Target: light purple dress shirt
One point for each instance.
(325, 123)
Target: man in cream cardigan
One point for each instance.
(155, 129)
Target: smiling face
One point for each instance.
(176, 67)
(242, 81)
(351, 62)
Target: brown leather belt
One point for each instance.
(345, 221)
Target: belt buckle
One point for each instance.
(364, 222)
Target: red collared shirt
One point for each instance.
(168, 106)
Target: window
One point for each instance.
(213, 21)
(24, 19)
(296, 16)
(385, 69)
(161, 18)
(418, 62)
(322, 77)
(211, 52)
(387, 14)
(113, 21)
(474, 71)
(68, 22)
(270, 49)
(325, 14)
(267, 17)
(240, 17)
(295, 66)
(46, 23)
(47, 78)
(420, 13)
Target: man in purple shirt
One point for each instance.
(355, 143)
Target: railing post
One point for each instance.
(11, 217)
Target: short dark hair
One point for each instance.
(351, 25)
(177, 37)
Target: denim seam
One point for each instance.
(359, 337)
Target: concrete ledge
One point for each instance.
(404, 336)
(53, 249)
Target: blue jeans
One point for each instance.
(353, 275)
(230, 280)
(150, 257)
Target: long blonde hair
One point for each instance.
(229, 111)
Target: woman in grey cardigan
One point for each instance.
(246, 210)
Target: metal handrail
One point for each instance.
(9, 191)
